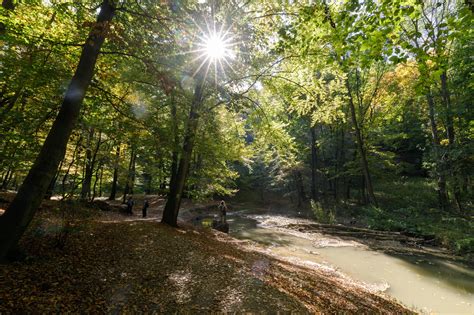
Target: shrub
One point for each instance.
(323, 214)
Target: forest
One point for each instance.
(317, 122)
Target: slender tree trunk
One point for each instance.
(87, 179)
(174, 157)
(360, 148)
(447, 103)
(18, 216)
(170, 213)
(100, 180)
(133, 173)
(314, 161)
(340, 161)
(451, 137)
(441, 181)
(113, 190)
(52, 184)
(130, 176)
(147, 179)
(6, 179)
(63, 182)
(96, 180)
(300, 188)
(94, 162)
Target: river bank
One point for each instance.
(108, 262)
(426, 279)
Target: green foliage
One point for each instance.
(322, 213)
(411, 206)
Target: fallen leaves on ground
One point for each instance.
(144, 266)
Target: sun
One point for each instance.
(215, 47)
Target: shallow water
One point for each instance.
(426, 284)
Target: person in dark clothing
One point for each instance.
(130, 204)
(144, 209)
(223, 212)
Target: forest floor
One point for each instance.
(80, 259)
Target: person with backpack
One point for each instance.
(145, 207)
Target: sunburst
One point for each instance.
(216, 50)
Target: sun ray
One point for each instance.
(200, 66)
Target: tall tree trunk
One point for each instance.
(147, 180)
(447, 104)
(63, 181)
(360, 148)
(441, 181)
(52, 184)
(314, 160)
(170, 213)
(133, 173)
(130, 176)
(96, 180)
(91, 159)
(18, 216)
(340, 161)
(86, 181)
(451, 137)
(100, 180)
(300, 188)
(174, 157)
(113, 190)
(7, 178)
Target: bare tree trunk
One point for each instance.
(170, 213)
(63, 182)
(340, 161)
(451, 137)
(300, 188)
(52, 184)
(19, 214)
(360, 148)
(174, 157)
(130, 176)
(100, 180)
(87, 179)
(447, 104)
(441, 181)
(113, 190)
(314, 161)
(6, 179)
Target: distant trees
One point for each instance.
(375, 79)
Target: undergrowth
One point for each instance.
(410, 206)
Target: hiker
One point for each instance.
(222, 212)
(144, 209)
(130, 204)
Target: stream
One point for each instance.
(425, 284)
